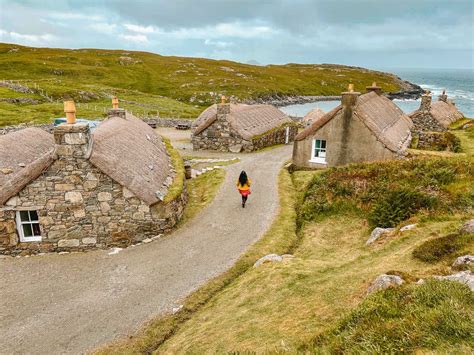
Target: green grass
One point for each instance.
(280, 238)
(437, 316)
(466, 137)
(201, 191)
(446, 248)
(172, 86)
(460, 123)
(177, 186)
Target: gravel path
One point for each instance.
(76, 302)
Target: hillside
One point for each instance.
(151, 83)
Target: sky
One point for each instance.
(370, 33)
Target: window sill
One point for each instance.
(318, 161)
(30, 239)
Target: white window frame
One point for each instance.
(315, 159)
(19, 227)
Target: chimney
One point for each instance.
(116, 111)
(349, 98)
(425, 101)
(70, 110)
(374, 88)
(443, 96)
(222, 109)
(73, 140)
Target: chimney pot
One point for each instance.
(443, 96)
(70, 110)
(351, 87)
(223, 99)
(115, 103)
(374, 88)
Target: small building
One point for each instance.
(435, 116)
(311, 116)
(364, 127)
(76, 189)
(238, 127)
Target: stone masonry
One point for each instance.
(80, 207)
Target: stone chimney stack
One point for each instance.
(222, 109)
(374, 88)
(443, 96)
(349, 98)
(425, 101)
(73, 140)
(116, 111)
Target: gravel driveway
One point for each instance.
(76, 302)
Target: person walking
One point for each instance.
(243, 184)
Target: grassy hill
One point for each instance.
(151, 83)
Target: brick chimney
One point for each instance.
(443, 96)
(116, 111)
(425, 101)
(374, 88)
(222, 109)
(73, 139)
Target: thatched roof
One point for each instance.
(248, 120)
(127, 150)
(385, 119)
(131, 153)
(445, 113)
(24, 155)
(313, 115)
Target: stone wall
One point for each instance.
(168, 122)
(80, 208)
(438, 141)
(424, 122)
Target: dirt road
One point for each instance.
(75, 302)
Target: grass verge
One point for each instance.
(278, 239)
(201, 191)
(177, 186)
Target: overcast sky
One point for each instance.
(370, 33)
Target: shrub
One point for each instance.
(397, 206)
(435, 315)
(447, 247)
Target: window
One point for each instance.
(318, 154)
(27, 223)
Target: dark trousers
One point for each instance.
(244, 199)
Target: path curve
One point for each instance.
(76, 302)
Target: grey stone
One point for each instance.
(104, 196)
(236, 148)
(385, 281)
(408, 227)
(89, 241)
(147, 240)
(377, 233)
(268, 259)
(464, 277)
(464, 260)
(468, 227)
(68, 243)
(73, 197)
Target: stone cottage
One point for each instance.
(238, 127)
(436, 116)
(364, 127)
(312, 116)
(78, 189)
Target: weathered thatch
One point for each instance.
(131, 153)
(24, 155)
(445, 113)
(386, 121)
(313, 115)
(247, 120)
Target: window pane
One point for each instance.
(24, 216)
(318, 143)
(36, 229)
(322, 154)
(323, 144)
(27, 232)
(33, 216)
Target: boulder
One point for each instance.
(464, 260)
(464, 277)
(376, 233)
(468, 227)
(385, 281)
(236, 148)
(408, 227)
(268, 259)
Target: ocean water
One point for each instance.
(459, 85)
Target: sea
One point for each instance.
(459, 85)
